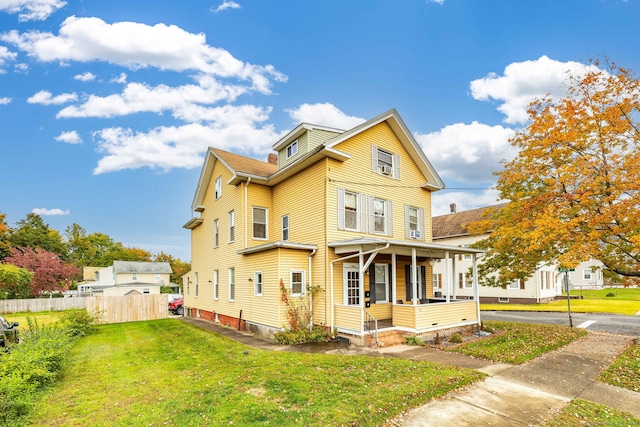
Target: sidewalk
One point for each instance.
(512, 395)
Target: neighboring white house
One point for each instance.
(126, 277)
(451, 229)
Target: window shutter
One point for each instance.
(362, 211)
(389, 218)
(406, 222)
(374, 159)
(521, 283)
(460, 280)
(407, 281)
(421, 222)
(389, 281)
(340, 208)
(396, 166)
(423, 281)
(372, 216)
(372, 283)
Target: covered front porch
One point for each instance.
(380, 285)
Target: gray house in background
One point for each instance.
(127, 277)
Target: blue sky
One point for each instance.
(107, 107)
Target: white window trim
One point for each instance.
(514, 284)
(388, 216)
(232, 226)
(375, 164)
(289, 151)
(216, 233)
(285, 230)
(216, 285)
(407, 222)
(467, 280)
(232, 284)
(387, 297)
(587, 272)
(302, 285)
(195, 282)
(218, 188)
(361, 217)
(256, 282)
(266, 223)
(345, 293)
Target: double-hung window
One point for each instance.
(297, 283)
(351, 210)
(515, 284)
(218, 187)
(465, 281)
(385, 163)
(216, 285)
(195, 282)
(259, 223)
(586, 274)
(232, 226)
(257, 282)
(437, 280)
(216, 233)
(232, 284)
(413, 222)
(380, 216)
(292, 149)
(285, 228)
(379, 285)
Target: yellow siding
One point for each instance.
(404, 316)
(318, 136)
(349, 317)
(430, 315)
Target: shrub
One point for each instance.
(611, 294)
(300, 336)
(413, 340)
(456, 338)
(77, 322)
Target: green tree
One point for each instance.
(15, 282)
(5, 246)
(178, 267)
(32, 232)
(574, 188)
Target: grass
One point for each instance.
(518, 342)
(581, 413)
(625, 370)
(625, 302)
(166, 372)
(42, 317)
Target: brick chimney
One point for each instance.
(272, 158)
(452, 206)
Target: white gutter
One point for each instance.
(332, 304)
(311, 290)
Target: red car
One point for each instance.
(176, 307)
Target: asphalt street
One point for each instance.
(598, 322)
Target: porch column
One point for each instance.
(447, 274)
(474, 257)
(414, 277)
(454, 277)
(361, 278)
(394, 291)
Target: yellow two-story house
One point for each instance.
(337, 225)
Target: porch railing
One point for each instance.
(371, 325)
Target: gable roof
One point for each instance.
(244, 168)
(141, 267)
(455, 224)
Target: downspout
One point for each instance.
(331, 303)
(246, 213)
(313, 252)
(476, 295)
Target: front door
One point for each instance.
(351, 283)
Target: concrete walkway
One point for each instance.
(512, 395)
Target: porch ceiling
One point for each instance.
(400, 247)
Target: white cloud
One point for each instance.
(139, 97)
(5, 56)
(85, 77)
(70, 137)
(5, 100)
(468, 152)
(182, 146)
(21, 68)
(324, 114)
(136, 45)
(226, 5)
(521, 82)
(464, 200)
(122, 79)
(31, 10)
(45, 98)
(46, 212)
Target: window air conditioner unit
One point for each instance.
(387, 170)
(414, 234)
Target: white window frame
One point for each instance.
(257, 283)
(410, 226)
(386, 298)
(218, 187)
(232, 226)
(385, 163)
(387, 216)
(359, 211)
(195, 282)
(437, 280)
(158, 278)
(467, 280)
(292, 149)
(216, 285)
(355, 298)
(514, 284)
(216, 233)
(285, 228)
(232, 284)
(146, 291)
(134, 276)
(265, 224)
(301, 282)
(587, 274)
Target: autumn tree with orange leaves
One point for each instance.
(574, 186)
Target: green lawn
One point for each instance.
(625, 370)
(580, 413)
(626, 302)
(43, 317)
(169, 373)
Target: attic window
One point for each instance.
(292, 149)
(385, 163)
